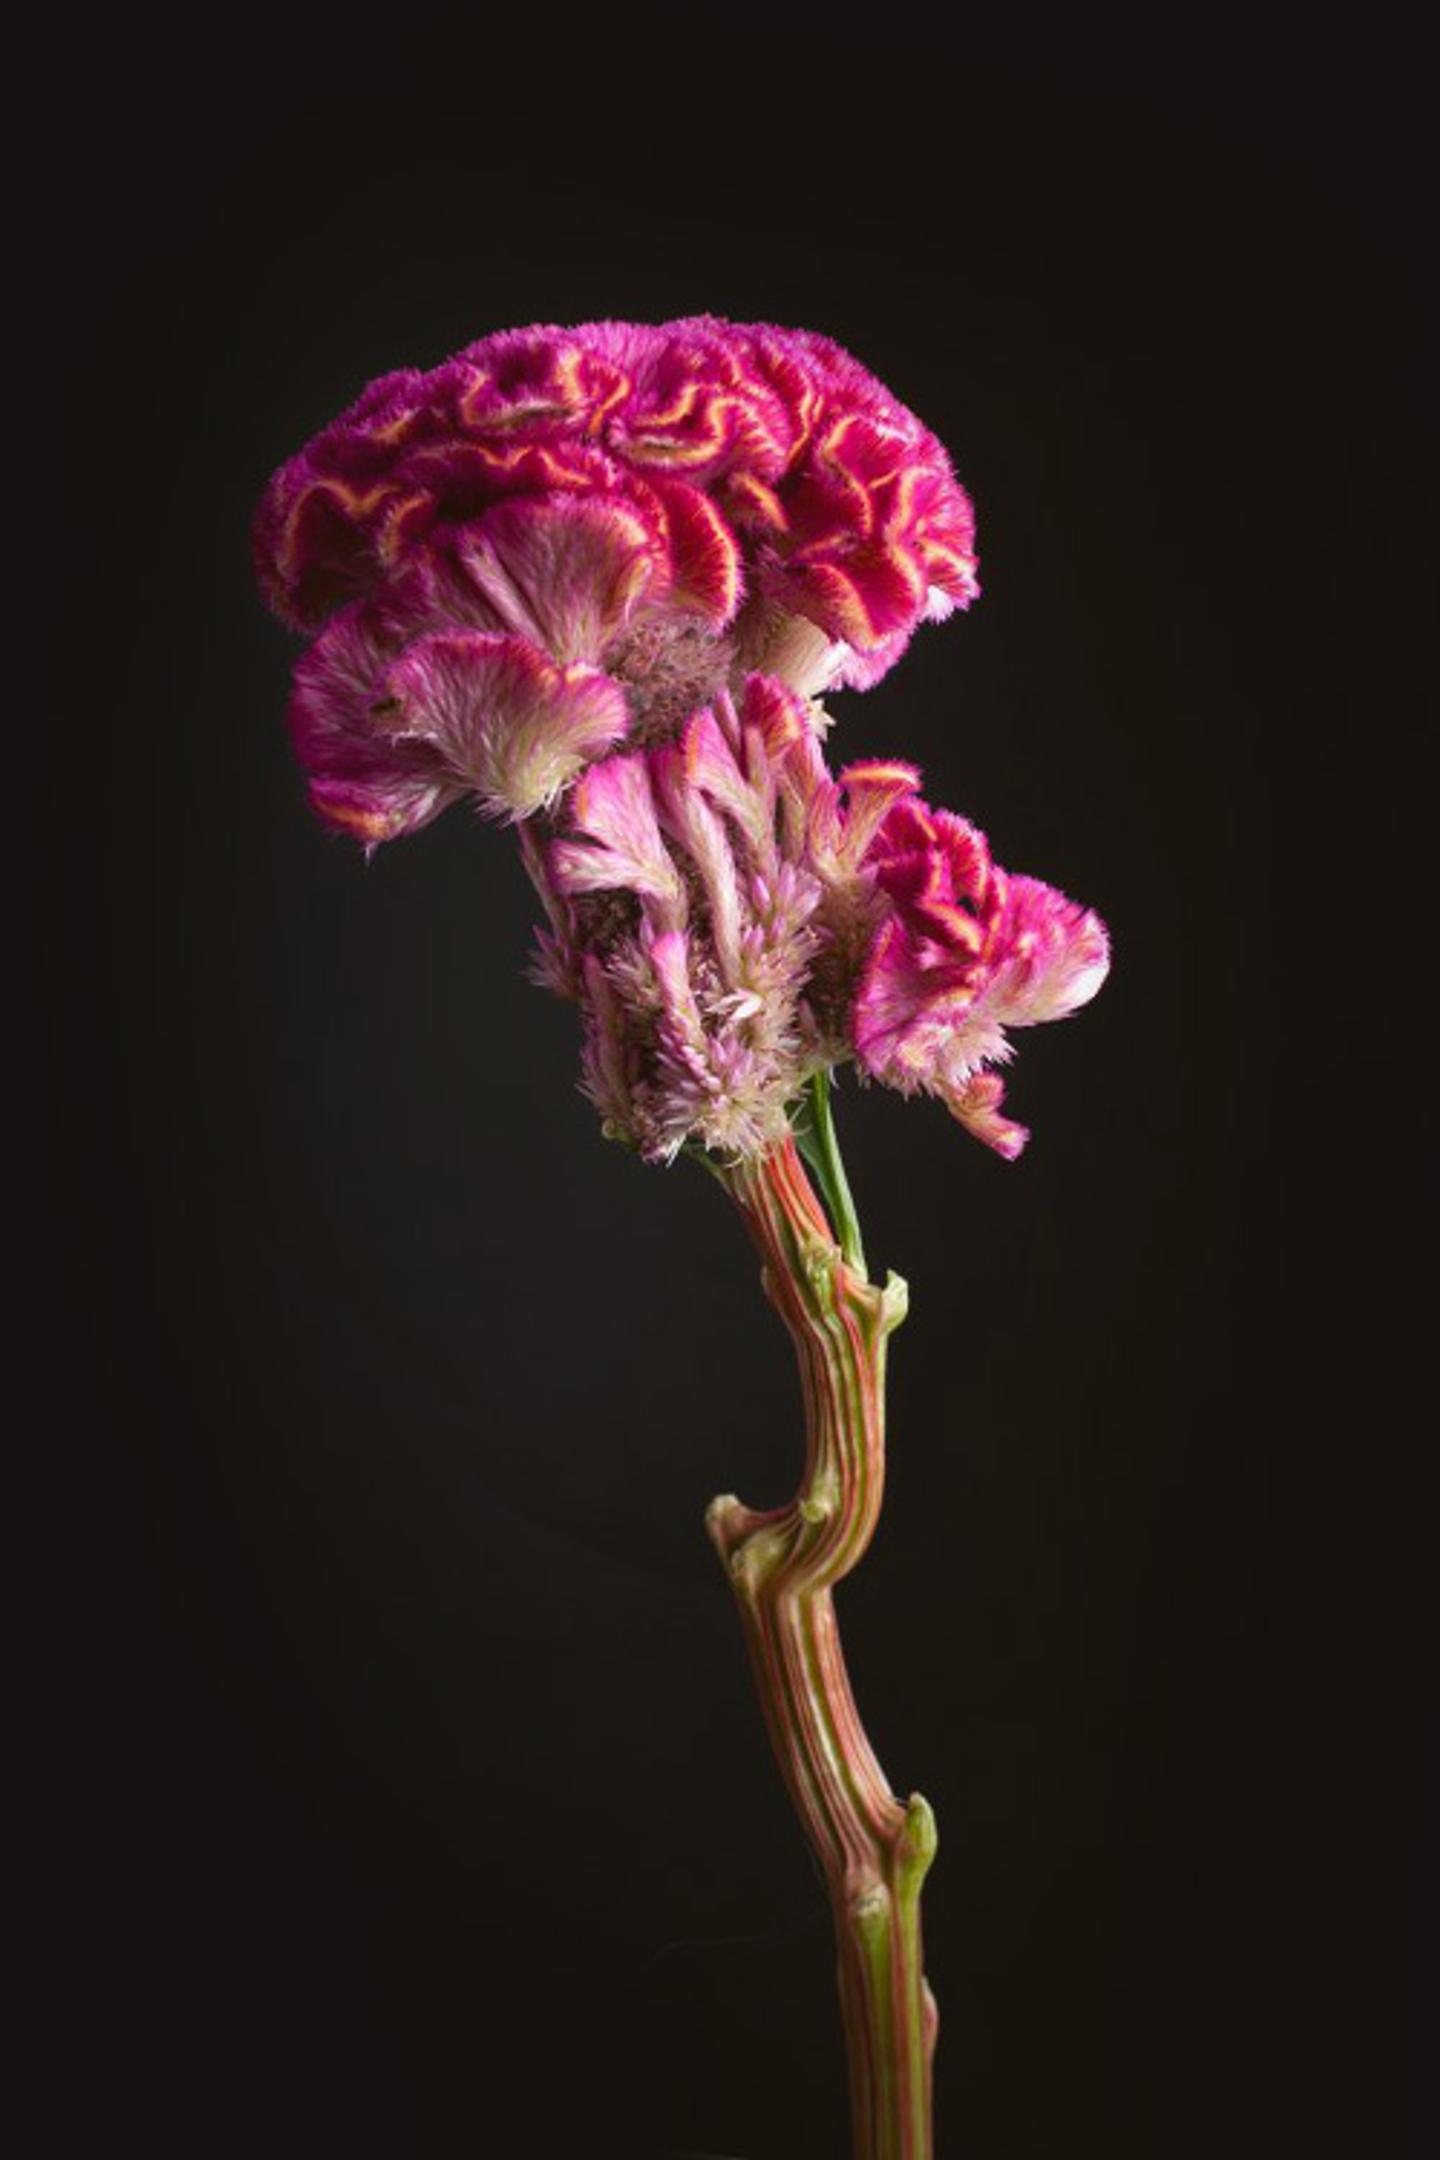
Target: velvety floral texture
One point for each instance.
(597, 580)
(962, 952)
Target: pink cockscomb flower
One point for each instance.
(964, 953)
(596, 581)
(562, 540)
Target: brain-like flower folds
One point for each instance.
(963, 953)
(653, 511)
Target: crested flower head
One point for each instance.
(595, 581)
(562, 539)
(962, 953)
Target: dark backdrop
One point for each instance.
(421, 1804)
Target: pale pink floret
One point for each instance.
(963, 953)
(621, 851)
(508, 723)
(687, 937)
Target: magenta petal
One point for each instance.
(362, 780)
(1058, 955)
(702, 554)
(886, 1001)
(963, 952)
(977, 1106)
(505, 719)
(778, 712)
(871, 790)
(865, 600)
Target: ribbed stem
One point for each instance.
(784, 1562)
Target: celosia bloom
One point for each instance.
(622, 520)
(964, 953)
(595, 580)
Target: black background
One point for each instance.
(419, 1800)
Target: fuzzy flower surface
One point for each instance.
(709, 902)
(964, 952)
(595, 581)
(562, 539)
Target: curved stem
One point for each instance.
(784, 1562)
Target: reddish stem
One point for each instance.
(784, 1562)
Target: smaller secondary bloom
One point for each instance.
(964, 953)
(731, 918)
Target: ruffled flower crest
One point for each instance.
(963, 953)
(668, 508)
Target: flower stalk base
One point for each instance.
(784, 1563)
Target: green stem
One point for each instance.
(784, 1562)
(815, 1134)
